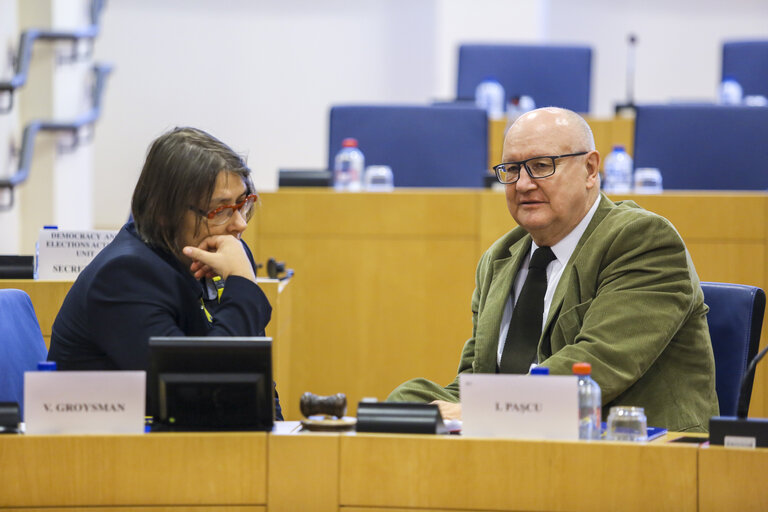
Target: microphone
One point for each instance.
(746, 385)
(630, 104)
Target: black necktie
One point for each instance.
(527, 317)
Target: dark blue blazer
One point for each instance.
(131, 292)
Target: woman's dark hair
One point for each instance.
(180, 171)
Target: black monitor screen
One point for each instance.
(210, 383)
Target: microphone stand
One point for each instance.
(628, 108)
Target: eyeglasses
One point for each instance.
(537, 167)
(222, 214)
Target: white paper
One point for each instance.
(519, 406)
(84, 402)
(62, 254)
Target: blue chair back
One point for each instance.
(747, 62)
(558, 76)
(704, 147)
(426, 146)
(21, 344)
(735, 319)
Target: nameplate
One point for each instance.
(62, 254)
(84, 402)
(519, 406)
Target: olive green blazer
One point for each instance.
(629, 303)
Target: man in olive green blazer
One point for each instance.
(626, 299)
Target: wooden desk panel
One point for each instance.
(156, 469)
(732, 479)
(242, 471)
(304, 473)
(471, 474)
(376, 276)
(174, 508)
(408, 212)
(364, 309)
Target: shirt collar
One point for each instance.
(565, 247)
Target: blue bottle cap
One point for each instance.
(46, 366)
(540, 370)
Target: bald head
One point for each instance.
(570, 126)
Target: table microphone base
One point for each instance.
(738, 432)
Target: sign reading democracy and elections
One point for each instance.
(519, 406)
(84, 402)
(62, 254)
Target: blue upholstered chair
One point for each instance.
(704, 147)
(747, 62)
(21, 344)
(735, 318)
(557, 76)
(426, 146)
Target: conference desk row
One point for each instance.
(369, 472)
(383, 282)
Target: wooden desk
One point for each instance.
(143, 470)
(412, 472)
(732, 479)
(333, 472)
(384, 281)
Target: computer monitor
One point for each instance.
(210, 383)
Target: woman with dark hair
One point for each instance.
(178, 268)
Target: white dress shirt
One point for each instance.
(563, 251)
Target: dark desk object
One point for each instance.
(10, 417)
(399, 418)
(211, 384)
(703, 147)
(304, 178)
(17, 267)
(534, 70)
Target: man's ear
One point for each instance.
(593, 167)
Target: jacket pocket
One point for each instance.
(568, 325)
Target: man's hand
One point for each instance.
(448, 410)
(221, 255)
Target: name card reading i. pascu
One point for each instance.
(62, 254)
(84, 402)
(519, 406)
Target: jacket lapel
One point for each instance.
(487, 335)
(569, 280)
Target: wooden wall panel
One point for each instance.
(495, 474)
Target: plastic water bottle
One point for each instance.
(730, 91)
(590, 402)
(517, 106)
(348, 167)
(618, 172)
(489, 95)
